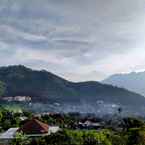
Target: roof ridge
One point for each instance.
(34, 124)
(41, 124)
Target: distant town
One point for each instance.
(17, 99)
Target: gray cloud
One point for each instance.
(69, 37)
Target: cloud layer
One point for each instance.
(77, 39)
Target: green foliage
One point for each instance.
(27, 113)
(78, 137)
(8, 119)
(132, 123)
(96, 138)
(71, 137)
(133, 132)
(117, 138)
(6, 124)
(63, 121)
(136, 136)
(20, 139)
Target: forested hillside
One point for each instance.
(44, 86)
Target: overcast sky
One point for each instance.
(77, 39)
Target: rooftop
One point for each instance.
(34, 126)
(9, 134)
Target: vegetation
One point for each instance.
(11, 118)
(21, 139)
(62, 120)
(93, 137)
(129, 131)
(71, 137)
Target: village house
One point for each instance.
(22, 98)
(17, 99)
(89, 125)
(32, 128)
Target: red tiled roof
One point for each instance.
(34, 126)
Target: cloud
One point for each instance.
(73, 38)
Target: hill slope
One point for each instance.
(2, 88)
(132, 81)
(43, 86)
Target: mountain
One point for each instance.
(2, 88)
(131, 81)
(45, 87)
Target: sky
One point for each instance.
(79, 40)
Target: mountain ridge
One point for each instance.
(134, 81)
(44, 86)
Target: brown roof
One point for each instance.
(34, 126)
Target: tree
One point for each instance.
(20, 139)
(1, 115)
(6, 124)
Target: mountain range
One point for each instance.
(45, 87)
(134, 81)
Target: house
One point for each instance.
(32, 128)
(9, 99)
(89, 125)
(22, 98)
(7, 136)
(23, 118)
(17, 99)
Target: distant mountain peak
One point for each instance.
(134, 81)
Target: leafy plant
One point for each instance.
(20, 139)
